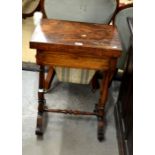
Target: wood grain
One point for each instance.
(73, 61)
(77, 45)
(95, 38)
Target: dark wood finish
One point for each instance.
(41, 102)
(79, 45)
(95, 83)
(42, 8)
(74, 112)
(38, 8)
(49, 78)
(58, 35)
(122, 7)
(54, 59)
(95, 79)
(119, 8)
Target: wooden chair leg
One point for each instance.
(49, 78)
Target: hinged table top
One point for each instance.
(76, 35)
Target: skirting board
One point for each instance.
(29, 66)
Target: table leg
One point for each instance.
(95, 83)
(113, 71)
(49, 78)
(101, 105)
(41, 102)
(112, 75)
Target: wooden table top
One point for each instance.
(76, 36)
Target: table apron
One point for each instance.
(72, 61)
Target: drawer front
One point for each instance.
(72, 61)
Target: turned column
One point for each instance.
(41, 102)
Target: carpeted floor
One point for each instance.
(65, 134)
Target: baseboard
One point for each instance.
(30, 66)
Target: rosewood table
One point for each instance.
(76, 45)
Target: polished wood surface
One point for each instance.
(76, 45)
(97, 38)
(44, 11)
